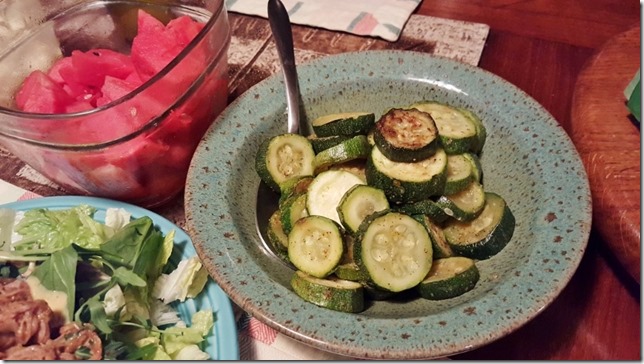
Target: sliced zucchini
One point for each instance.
(449, 278)
(407, 182)
(359, 202)
(406, 135)
(350, 123)
(354, 148)
(350, 272)
(315, 245)
(374, 293)
(457, 132)
(293, 209)
(276, 235)
(326, 191)
(394, 250)
(332, 293)
(322, 143)
(277, 238)
(477, 169)
(460, 173)
(487, 234)
(294, 186)
(283, 157)
(481, 132)
(424, 207)
(464, 205)
(440, 247)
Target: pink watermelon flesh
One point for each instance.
(40, 94)
(94, 65)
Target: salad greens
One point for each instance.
(115, 276)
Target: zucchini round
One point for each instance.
(457, 132)
(440, 247)
(487, 234)
(283, 157)
(350, 272)
(315, 245)
(394, 250)
(424, 207)
(359, 202)
(322, 143)
(464, 205)
(449, 278)
(354, 148)
(350, 123)
(481, 132)
(406, 135)
(332, 293)
(293, 209)
(407, 182)
(460, 173)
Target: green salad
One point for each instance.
(114, 276)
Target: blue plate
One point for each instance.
(222, 344)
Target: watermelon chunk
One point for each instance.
(152, 47)
(113, 89)
(94, 65)
(40, 94)
(183, 29)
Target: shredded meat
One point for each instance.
(26, 334)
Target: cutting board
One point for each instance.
(608, 140)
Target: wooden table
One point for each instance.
(541, 47)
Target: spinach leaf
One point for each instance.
(124, 247)
(58, 273)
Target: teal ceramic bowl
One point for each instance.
(528, 159)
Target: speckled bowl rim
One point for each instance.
(218, 240)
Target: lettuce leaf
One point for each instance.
(44, 230)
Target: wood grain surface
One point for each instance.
(608, 139)
(542, 46)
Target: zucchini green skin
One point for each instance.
(323, 143)
(319, 292)
(481, 132)
(294, 186)
(400, 191)
(440, 247)
(477, 168)
(271, 171)
(453, 205)
(492, 243)
(292, 210)
(406, 135)
(372, 292)
(277, 238)
(353, 148)
(450, 287)
(350, 272)
(343, 124)
(460, 173)
(424, 207)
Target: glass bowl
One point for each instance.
(137, 147)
